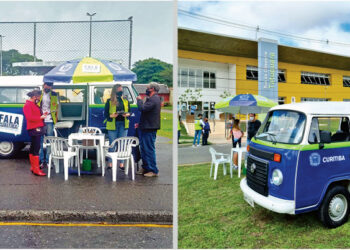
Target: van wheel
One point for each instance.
(9, 149)
(334, 210)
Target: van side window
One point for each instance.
(101, 94)
(14, 95)
(338, 126)
(314, 136)
(127, 95)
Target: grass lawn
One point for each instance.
(166, 125)
(167, 107)
(213, 214)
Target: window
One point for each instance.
(281, 75)
(309, 99)
(70, 95)
(283, 126)
(315, 78)
(101, 94)
(346, 100)
(338, 127)
(346, 81)
(196, 78)
(281, 100)
(14, 95)
(252, 73)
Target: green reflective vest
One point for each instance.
(178, 125)
(197, 125)
(113, 109)
(53, 105)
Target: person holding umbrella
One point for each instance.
(117, 117)
(35, 128)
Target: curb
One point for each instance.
(91, 216)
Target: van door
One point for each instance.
(72, 104)
(317, 165)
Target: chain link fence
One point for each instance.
(64, 40)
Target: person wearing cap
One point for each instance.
(35, 128)
(48, 104)
(148, 126)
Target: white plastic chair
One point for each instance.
(123, 147)
(225, 158)
(60, 149)
(94, 131)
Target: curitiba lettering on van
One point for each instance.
(333, 158)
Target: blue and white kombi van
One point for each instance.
(80, 104)
(299, 161)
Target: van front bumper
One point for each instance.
(270, 202)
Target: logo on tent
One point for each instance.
(65, 68)
(115, 66)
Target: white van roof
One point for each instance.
(317, 108)
(20, 81)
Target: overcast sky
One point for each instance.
(317, 20)
(152, 27)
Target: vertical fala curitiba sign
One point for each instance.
(268, 68)
(11, 123)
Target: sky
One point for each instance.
(153, 25)
(320, 20)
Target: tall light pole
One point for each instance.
(90, 15)
(1, 36)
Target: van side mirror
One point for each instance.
(325, 137)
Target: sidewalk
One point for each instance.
(24, 196)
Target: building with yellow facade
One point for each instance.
(220, 65)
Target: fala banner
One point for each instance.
(11, 123)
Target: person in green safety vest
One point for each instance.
(178, 129)
(48, 104)
(117, 113)
(198, 127)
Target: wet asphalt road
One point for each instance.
(84, 237)
(20, 190)
(190, 155)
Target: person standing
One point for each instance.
(236, 134)
(253, 127)
(178, 129)
(148, 125)
(35, 128)
(117, 117)
(206, 131)
(198, 126)
(48, 104)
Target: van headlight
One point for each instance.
(277, 177)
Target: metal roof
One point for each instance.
(317, 108)
(211, 43)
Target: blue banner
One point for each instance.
(268, 68)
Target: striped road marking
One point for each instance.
(82, 224)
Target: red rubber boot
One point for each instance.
(31, 162)
(36, 166)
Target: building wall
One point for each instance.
(291, 88)
(225, 78)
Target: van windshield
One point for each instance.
(283, 126)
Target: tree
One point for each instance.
(12, 56)
(191, 95)
(153, 70)
(225, 94)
